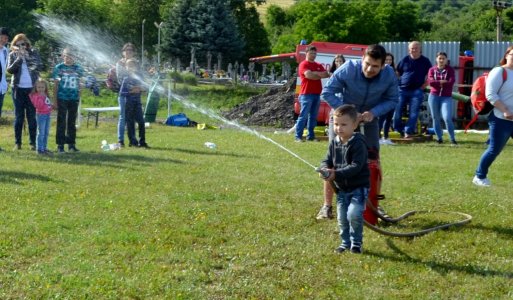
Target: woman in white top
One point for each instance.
(24, 64)
(500, 120)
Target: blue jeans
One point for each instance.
(350, 207)
(43, 130)
(440, 105)
(500, 131)
(24, 107)
(121, 120)
(310, 104)
(414, 99)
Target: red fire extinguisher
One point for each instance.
(375, 188)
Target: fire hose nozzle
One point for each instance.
(324, 173)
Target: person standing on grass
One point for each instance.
(311, 74)
(4, 39)
(131, 88)
(441, 79)
(346, 165)
(66, 77)
(385, 121)
(412, 71)
(24, 64)
(41, 100)
(500, 121)
(371, 86)
(326, 211)
(128, 52)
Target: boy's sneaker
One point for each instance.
(121, 144)
(144, 145)
(341, 249)
(72, 148)
(326, 212)
(60, 149)
(17, 147)
(481, 182)
(356, 249)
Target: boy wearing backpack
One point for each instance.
(500, 121)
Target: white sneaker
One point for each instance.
(481, 182)
(382, 141)
(389, 142)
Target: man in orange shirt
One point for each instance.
(311, 74)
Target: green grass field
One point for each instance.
(181, 221)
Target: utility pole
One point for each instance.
(142, 43)
(159, 26)
(499, 7)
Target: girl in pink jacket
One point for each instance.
(43, 105)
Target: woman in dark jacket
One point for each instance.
(24, 64)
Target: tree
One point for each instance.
(205, 25)
(16, 15)
(251, 29)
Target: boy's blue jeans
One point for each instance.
(500, 131)
(350, 207)
(310, 104)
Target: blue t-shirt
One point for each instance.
(69, 81)
(413, 72)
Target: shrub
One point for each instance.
(189, 78)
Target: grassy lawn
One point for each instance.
(181, 221)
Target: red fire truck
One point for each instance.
(325, 54)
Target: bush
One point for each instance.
(176, 77)
(189, 78)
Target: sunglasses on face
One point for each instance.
(21, 44)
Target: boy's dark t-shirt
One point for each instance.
(126, 86)
(349, 161)
(69, 81)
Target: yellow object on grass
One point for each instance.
(203, 126)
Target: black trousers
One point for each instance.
(23, 107)
(133, 114)
(66, 119)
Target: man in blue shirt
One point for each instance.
(412, 70)
(369, 85)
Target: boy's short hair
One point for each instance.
(132, 61)
(68, 52)
(376, 51)
(311, 48)
(346, 110)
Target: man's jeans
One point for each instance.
(310, 104)
(121, 120)
(414, 99)
(441, 107)
(500, 131)
(350, 207)
(43, 130)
